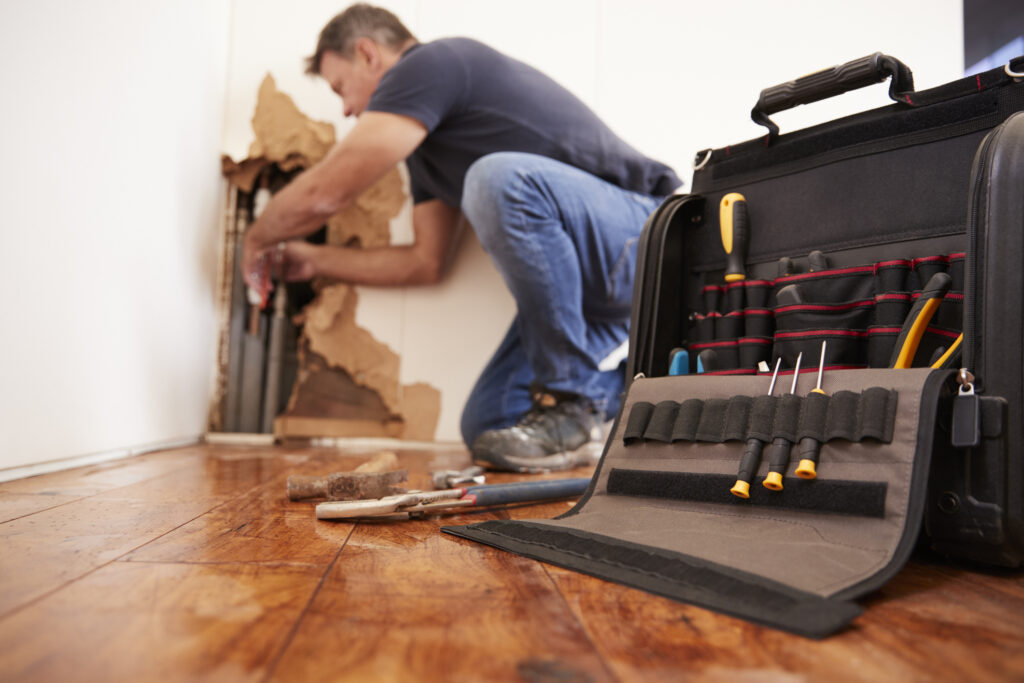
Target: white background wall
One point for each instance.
(671, 77)
(110, 126)
(113, 114)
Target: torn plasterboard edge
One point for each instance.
(288, 139)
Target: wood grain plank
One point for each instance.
(922, 626)
(14, 505)
(408, 602)
(158, 622)
(93, 479)
(263, 526)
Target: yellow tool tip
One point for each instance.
(806, 470)
(735, 277)
(773, 481)
(740, 489)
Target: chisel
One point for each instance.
(735, 227)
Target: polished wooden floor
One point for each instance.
(191, 564)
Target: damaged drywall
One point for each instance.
(348, 381)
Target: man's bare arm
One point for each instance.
(377, 142)
(435, 226)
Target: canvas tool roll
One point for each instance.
(659, 514)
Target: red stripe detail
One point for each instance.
(930, 259)
(957, 256)
(909, 101)
(713, 345)
(977, 79)
(754, 340)
(749, 283)
(821, 333)
(942, 333)
(892, 297)
(825, 307)
(884, 330)
(892, 264)
(759, 311)
(825, 273)
(712, 288)
(955, 297)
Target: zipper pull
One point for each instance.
(966, 430)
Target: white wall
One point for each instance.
(111, 116)
(671, 77)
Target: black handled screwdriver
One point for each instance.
(778, 454)
(810, 447)
(735, 226)
(751, 459)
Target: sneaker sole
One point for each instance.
(587, 454)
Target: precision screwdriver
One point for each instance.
(735, 227)
(809, 446)
(778, 455)
(751, 459)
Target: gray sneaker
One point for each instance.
(559, 432)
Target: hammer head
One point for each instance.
(347, 485)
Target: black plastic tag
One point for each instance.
(966, 431)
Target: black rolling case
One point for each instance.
(885, 254)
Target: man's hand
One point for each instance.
(299, 261)
(256, 259)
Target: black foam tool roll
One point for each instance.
(813, 417)
(636, 423)
(687, 420)
(660, 426)
(712, 420)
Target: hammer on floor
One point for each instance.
(375, 478)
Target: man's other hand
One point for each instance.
(299, 261)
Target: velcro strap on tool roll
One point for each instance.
(674, 575)
(845, 415)
(860, 498)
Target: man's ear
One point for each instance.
(368, 50)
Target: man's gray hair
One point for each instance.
(358, 21)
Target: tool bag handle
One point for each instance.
(830, 82)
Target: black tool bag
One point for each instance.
(848, 221)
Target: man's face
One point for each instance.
(354, 80)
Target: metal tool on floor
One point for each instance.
(426, 502)
(446, 479)
(373, 479)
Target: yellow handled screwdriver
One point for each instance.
(809, 446)
(735, 226)
(778, 455)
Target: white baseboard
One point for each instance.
(33, 470)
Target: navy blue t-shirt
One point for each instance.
(474, 101)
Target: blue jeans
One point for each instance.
(565, 243)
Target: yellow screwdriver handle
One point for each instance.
(735, 226)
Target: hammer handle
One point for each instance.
(301, 486)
